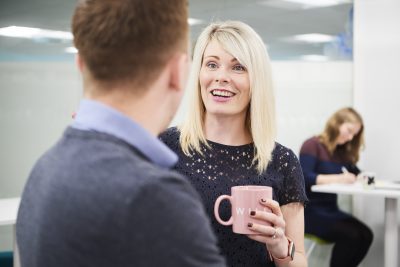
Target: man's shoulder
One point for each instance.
(151, 174)
(100, 157)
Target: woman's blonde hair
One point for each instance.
(350, 151)
(243, 43)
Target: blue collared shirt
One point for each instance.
(95, 116)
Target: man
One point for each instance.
(104, 194)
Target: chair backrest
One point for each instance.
(6, 259)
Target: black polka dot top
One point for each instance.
(221, 167)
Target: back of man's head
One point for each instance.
(130, 41)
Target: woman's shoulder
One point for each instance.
(171, 132)
(314, 140)
(280, 150)
(288, 177)
(311, 145)
(170, 137)
(283, 154)
(289, 180)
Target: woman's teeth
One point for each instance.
(222, 93)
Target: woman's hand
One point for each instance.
(347, 178)
(271, 229)
(341, 178)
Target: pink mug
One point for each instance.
(244, 199)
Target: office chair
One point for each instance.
(315, 240)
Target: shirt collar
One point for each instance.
(95, 116)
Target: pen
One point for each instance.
(344, 170)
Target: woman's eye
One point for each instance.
(211, 65)
(239, 67)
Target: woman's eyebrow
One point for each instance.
(211, 56)
(217, 57)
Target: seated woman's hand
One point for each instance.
(271, 234)
(347, 178)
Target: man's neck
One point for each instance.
(140, 108)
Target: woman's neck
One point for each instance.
(227, 130)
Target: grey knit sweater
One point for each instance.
(94, 200)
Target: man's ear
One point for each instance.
(179, 69)
(79, 62)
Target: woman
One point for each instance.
(227, 139)
(330, 158)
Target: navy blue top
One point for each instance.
(322, 210)
(222, 167)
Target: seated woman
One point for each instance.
(331, 158)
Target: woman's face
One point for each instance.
(224, 83)
(347, 131)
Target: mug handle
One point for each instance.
(216, 210)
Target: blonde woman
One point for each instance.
(228, 139)
(331, 157)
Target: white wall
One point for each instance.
(36, 102)
(377, 95)
(307, 93)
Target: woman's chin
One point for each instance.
(342, 142)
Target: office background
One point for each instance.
(40, 86)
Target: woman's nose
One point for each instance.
(350, 137)
(222, 76)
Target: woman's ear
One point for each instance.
(179, 69)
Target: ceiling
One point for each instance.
(274, 20)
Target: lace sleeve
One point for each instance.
(293, 188)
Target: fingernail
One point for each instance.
(252, 213)
(263, 200)
(250, 224)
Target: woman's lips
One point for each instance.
(221, 95)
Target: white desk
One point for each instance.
(8, 216)
(391, 196)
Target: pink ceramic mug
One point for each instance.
(244, 199)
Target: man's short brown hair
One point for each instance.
(129, 40)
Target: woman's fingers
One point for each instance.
(273, 205)
(272, 232)
(263, 229)
(275, 217)
(268, 217)
(348, 178)
(267, 230)
(266, 234)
